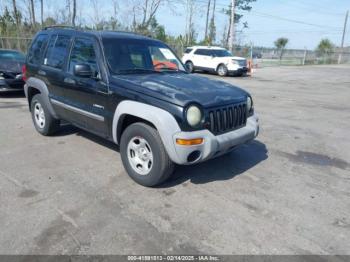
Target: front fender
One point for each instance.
(164, 122)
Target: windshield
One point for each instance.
(221, 53)
(127, 56)
(11, 55)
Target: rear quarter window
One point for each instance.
(37, 49)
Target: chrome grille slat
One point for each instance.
(228, 118)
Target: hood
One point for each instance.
(11, 66)
(229, 58)
(182, 88)
(237, 58)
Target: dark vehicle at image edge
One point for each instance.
(11, 62)
(134, 91)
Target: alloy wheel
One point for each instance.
(39, 115)
(140, 155)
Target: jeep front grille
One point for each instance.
(225, 119)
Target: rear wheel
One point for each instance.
(144, 156)
(222, 70)
(43, 121)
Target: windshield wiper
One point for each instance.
(137, 70)
(170, 69)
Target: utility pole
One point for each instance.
(42, 13)
(207, 22)
(343, 38)
(74, 14)
(186, 26)
(305, 54)
(232, 25)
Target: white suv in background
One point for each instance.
(214, 59)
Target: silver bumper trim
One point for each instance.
(214, 146)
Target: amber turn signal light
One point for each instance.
(189, 142)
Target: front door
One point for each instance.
(86, 98)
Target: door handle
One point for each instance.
(41, 72)
(69, 80)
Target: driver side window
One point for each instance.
(83, 52)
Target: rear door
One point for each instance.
(52, 70)
(86, 98)
(35, 55)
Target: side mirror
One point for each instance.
(83, 70)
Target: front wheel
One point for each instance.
(144, 156)
(222, 70)
(190, 66)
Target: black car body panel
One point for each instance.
(11, 72)
(182, 88)
(11, 66)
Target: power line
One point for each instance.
(271, 16)
(261, 14)
(313, 8)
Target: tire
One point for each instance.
(154, 170)
(190, 66)
(222, 70)
(43, 121)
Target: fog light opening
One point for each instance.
(194, 156)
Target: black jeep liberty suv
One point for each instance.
(135, 91)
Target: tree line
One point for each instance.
(23, 18)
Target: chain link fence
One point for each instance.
(17, 43)
(263, 57)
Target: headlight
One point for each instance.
(235, 62)
(193, 115)
(249, 104)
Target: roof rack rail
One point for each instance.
(61, 26)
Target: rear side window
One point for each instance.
(38, 46)
(201, 52)
(57, 51)
(83, 52)
(188, 50)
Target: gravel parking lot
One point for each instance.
(288, 192)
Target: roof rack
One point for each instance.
(61, 26)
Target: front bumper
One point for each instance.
(239, 71)
(213, 146)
